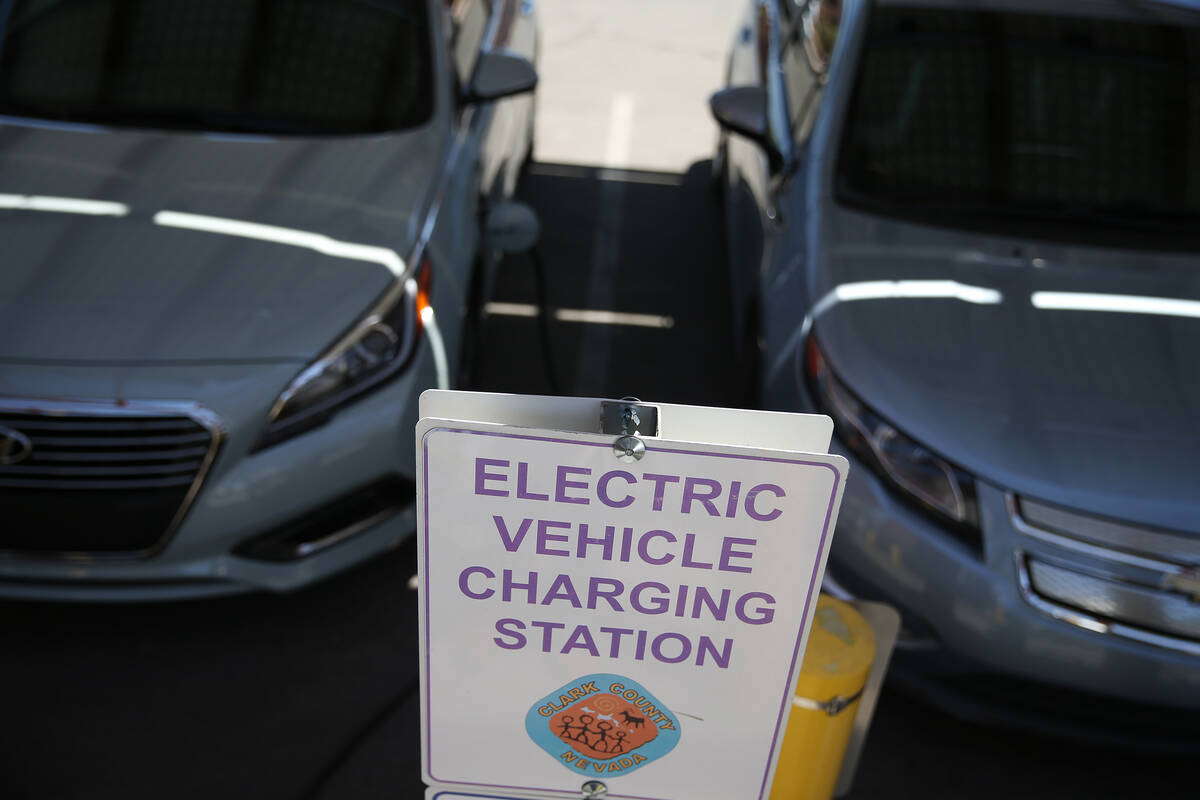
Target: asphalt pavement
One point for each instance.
(635, 290)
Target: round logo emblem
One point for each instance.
(15, 446)
(602, 724)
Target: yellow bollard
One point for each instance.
(841, 649)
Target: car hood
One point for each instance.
(140, 247)
(995, 354)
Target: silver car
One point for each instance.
(970, 232)
(239, 239)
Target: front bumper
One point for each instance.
(971, 605)
(212, 576)
(245, 495)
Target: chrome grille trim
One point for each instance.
(1164, 612)
(1140, 583)
(102, 442)
(98, 472)
(187, 466)
(117, 443)
(139, 425)
(1095, 550)
(188, 454)
(1082, 619)
(1114, 534)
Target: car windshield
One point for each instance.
(270, 66)
(977, 118)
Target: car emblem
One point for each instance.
(15, 446)
(602, 724)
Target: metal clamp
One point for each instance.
(832, 707)
(629, 418)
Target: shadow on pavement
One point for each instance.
(648, 246)
(249, 696)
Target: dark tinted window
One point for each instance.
(1070, 122)
(277, 66)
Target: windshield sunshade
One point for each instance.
(269, 66)
(1074, 123)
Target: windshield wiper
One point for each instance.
(203, 122)
(173, 120)
(1129, 217)
(1126, 217)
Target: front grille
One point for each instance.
(1144, 607)
(1111, 576)
(102, 481)
(333, 523)
(1172, 546)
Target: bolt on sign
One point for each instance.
(614, 592)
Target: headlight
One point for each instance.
(921, 475)
(374, 350)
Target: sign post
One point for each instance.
(614, 593)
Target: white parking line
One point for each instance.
(612, 173)
(620, 131)
(614, 318)
(512, 309)
(583, 315)
(592, 372)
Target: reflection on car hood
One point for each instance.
(1061, 372)
(139, 247)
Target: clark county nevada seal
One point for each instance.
(602, 725)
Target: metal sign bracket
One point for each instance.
(627, 419)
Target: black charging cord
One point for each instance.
(544, 315)
(356, 740)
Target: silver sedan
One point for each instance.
(240, 240)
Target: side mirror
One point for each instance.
(743, 110)
(511, 227)
(500, 75)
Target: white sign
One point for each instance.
(640, 623)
